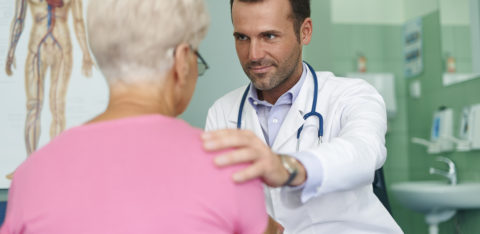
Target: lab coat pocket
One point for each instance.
(332, 207)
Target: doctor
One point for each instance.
(314, 139)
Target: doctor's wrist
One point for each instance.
(296, 171)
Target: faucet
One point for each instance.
(451, 174)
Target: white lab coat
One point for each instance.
(353, 148)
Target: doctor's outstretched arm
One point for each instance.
(265, 164)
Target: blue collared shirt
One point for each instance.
(271, 117)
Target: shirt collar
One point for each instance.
(288, 97)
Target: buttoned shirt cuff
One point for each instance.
(314, 169)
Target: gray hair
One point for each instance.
(134, 40)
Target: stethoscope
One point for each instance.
(313, 112)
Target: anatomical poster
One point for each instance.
(48, 80)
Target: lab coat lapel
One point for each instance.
(294, 119)
(249, 119)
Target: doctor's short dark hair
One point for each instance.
(300, 11)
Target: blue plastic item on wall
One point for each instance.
(3, 208)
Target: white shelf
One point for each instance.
(454, 78)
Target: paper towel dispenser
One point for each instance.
(473, 132)
(385, 85)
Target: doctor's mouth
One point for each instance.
(261, 66)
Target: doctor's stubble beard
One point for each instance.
(284, 71)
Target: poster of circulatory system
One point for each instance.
(48, 82)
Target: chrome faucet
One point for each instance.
(451, 174)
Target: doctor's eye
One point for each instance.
(270, 36)
(240, 37)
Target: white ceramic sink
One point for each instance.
(433, 196)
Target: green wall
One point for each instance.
(3, 194)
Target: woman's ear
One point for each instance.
(182, 64)
(183, 82)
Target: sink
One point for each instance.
(439, 201)
(430, 196)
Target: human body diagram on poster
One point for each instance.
(49, 47)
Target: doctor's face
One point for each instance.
(267, 46)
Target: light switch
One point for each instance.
(415, 89)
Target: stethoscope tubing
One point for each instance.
(313, 112)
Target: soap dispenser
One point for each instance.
(442, 130)
(464, 141)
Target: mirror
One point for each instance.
(460, 43)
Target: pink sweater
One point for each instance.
(140, 175)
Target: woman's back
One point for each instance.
(144, 174)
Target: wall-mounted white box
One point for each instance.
(474, 126)
(385, 85)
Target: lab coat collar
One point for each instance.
(294, 119)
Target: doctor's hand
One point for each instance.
(248, 148)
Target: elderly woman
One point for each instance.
(136, 168)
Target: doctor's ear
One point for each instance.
(182, 64)
(306, 31)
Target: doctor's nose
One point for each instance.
(256, 51)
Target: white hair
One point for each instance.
(134, 40)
